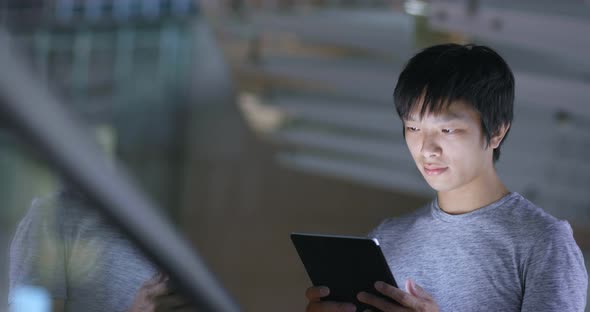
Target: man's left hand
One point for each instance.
(155, 295)
(416, 299)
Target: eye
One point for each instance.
(412, 129)
(448, 131)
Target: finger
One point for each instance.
(400, 296)
(150, 285)
(155, 279)
(314, 294)
(417, 291)
(330, 306)
(379, 303)
(157, 290)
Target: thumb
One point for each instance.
(416, 290)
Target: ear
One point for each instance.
(497, 138)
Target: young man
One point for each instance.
(477, 246)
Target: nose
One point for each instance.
(430, 147)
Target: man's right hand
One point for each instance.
(314, 294)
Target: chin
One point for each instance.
(440, 186)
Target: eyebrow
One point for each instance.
(445, 117)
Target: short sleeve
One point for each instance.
(37, 251)
(555, 277)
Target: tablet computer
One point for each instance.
(345, 264)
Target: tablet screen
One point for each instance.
(345, 264)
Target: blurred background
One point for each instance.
(248, 120)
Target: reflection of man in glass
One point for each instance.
(84, 263)
(477, 246)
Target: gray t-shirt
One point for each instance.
(508, 256)
(67, 248)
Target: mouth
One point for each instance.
(434, 171)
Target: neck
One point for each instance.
(479, 193)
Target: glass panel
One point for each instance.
(127, 77)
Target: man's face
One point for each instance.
(449, 148)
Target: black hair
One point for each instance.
(475, 74)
